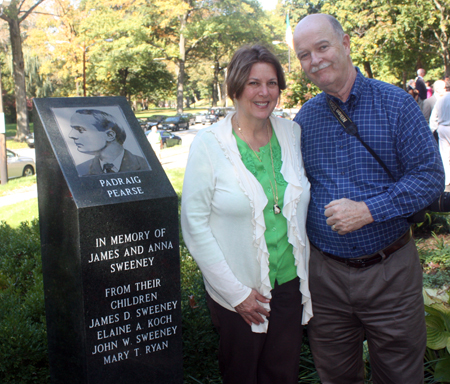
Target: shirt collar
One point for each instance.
(356, 91)
(116, 163)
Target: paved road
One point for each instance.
(170, 159)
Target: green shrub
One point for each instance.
(436, 262)
(434, 222)
(23, 337)
(200, 340)
(437, 309)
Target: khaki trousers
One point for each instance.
(382, 303)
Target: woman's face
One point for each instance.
(260, 95)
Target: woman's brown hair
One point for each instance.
(241, 65)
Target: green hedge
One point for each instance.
(23, 338)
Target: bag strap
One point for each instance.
(351, 128)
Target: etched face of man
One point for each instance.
(86, 136)
(92, 131)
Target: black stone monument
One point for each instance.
(110, 248)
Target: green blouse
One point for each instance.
(281, 259)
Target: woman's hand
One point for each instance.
(251, 310)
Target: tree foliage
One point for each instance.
(390, 39)
(14, 15)
(152, 51)
(137, 49)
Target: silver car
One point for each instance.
(19, 165)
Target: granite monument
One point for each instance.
(109, 235)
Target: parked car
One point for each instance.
(19, 166)
(210, 118)
(148, 122)
(199, 117)
(175, 123)
(282, 114)
(30, 140)
(143, 123)
(168, 139)
(190, 117)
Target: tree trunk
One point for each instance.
(215, 86)
(180, 80)
(445, 57)
(123, 73)
(19, 80)
(368, 70)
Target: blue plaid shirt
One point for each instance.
(338, 166)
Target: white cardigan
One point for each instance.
(222, 215)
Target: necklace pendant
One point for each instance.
(276, 209)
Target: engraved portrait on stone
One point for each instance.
(100, 140)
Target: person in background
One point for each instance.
(421, 87)
(365, 273)
(411, 89)
(154, 138)
(440, 121)
(429, 89)
(428, 104)
(243, 216)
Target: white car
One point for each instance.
(19, 165)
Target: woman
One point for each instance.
(430, 90)
(411, 89)
(243, 215)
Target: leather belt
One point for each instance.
(371, 260)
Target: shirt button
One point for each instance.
(274, 229)
(342, 173)
(341, 147)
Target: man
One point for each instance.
(428, 104)
(440, 122)
(365, 274)
(421, 87)
(97, 133)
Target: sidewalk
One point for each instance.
(19, 195)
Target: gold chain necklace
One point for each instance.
(276, 207)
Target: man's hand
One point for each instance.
(346, 215)
(251, 310)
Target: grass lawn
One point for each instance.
(176, 177)
(16, 184)
(28, 210)
(16, 213)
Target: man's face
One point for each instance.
(85, 136)
(323, 54)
